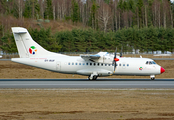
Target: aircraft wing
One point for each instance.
(93, 57)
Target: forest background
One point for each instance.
(90, 25)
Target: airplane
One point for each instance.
(94, 66)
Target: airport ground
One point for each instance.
(83, 104)
(89, 104)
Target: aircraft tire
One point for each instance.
(89, 78)
(152, 78)
(94, 77)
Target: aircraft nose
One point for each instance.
(162, 70)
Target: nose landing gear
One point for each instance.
(152, 77)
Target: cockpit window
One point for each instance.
(150, 62)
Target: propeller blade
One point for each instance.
(115, 53)
(114, 66)
(114, 60)
(121, 52)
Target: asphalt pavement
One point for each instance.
(104, 83)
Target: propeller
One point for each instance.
(115, 59)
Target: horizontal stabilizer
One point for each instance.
(20, 32)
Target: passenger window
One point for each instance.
(119, 64)
(86, 63)
(98, 64)
(83, 63)
(68, 63)
(123, 64)
(105, 64)
(101, 64)
(147, 62)
(72, 63)
(94, 64)
(128, 65)
(76, 63)
(79, 63)
(108, 64)
(90, 63)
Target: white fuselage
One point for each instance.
(77, 65)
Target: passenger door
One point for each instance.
(58, 65)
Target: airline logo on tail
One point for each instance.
(32, 50)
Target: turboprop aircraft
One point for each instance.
(100, 64)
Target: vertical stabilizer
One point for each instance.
(26, 46)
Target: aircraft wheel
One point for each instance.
(89, 78)
(95, 77)
(152, 77)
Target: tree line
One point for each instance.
(132, 24)
(90, 40)
(102, 15)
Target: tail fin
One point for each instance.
(26, 46)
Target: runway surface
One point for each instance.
(84, 83)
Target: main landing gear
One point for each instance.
(93, 76)
(152, 77)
